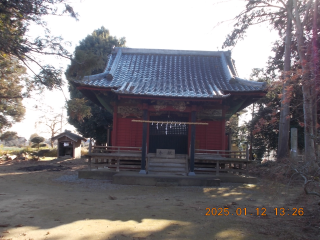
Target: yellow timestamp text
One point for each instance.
(282, 211)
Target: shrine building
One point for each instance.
(170, 99)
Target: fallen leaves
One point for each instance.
(112, 198)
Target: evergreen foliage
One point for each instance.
(33, 135)
(11, 92)
(37, 140)
(8, 136)
(16, 17)
(90, 57)
(19, 52)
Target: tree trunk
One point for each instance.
(315, 74)
(308, 123)
(284, 124)
(306, 90)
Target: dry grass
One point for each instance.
(84, 151)
(284, 179)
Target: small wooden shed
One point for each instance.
(69, 144)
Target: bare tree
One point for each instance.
(277, 13)
(53, 123)
(307, 88)
(284, 123)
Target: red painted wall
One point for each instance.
(129, 133)
(210, 136)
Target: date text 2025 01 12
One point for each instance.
(258, 212)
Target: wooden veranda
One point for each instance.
(205, 161)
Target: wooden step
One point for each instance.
(167, 166)
(164, 169)
(168, 160)
(169, 173)
(161, 164)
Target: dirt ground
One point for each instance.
(55, 204)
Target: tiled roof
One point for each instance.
(171, 73)
(70, 135)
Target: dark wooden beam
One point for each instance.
(219, 100)
(144, 141)
(192, 145)
(93, 88)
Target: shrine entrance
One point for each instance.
(168, 136)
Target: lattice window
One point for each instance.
(168, 129)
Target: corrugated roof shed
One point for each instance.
(171, 73)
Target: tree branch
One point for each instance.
(306, 182)
(307, 13)
(284, 5)
(2, 97)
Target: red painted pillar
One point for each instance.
(115, 125)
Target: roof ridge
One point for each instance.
(70, 135)
(170, 51)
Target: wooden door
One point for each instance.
(168, 136)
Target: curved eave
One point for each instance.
(81, 86)
(254, 93)
(84, 87)
(181, 98)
